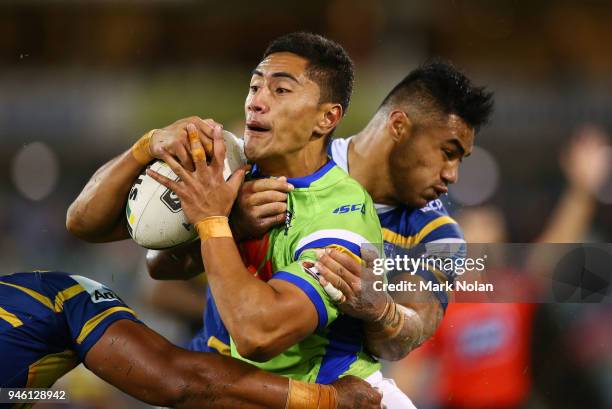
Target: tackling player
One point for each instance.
(51, 321)
(405, 157)
(290, 115)
(299, 92)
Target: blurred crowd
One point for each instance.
(520, 355)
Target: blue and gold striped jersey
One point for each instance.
(403, 228)
(422, 232)
(406, 230)
(408, 227)
(48, 323)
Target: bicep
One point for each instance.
(295, 313)
(304, 278)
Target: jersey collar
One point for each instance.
(301, 182)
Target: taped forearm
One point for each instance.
(247, 392)
(311, 396)
(232, 383)
(234, 288)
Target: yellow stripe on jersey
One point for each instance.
(44, 372)
(10, 318)
(38, 296)
(93, 322)
(65, 295)
(344, 250)
(432, 225)
(339, 248)
(397, 239)
(409, 241)
(223, 348)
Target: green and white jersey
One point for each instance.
(327, 208)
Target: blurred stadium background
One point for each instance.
(81, 80)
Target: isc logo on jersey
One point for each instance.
(97, 291)
(350, 208)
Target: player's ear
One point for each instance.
(330, 116)
(400, 126)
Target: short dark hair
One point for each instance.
(329, 65)
(440, 87)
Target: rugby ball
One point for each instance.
(154, 215)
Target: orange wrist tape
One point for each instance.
(304, 395)
(140, 149)
(214, 226)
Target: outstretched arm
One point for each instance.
(96, 215)
(142, 363)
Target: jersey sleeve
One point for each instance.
(442, 240)
(346, 232)
(90, 309)
(437, 236)
(297, 273)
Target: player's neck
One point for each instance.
(368, 161)
(296, 164)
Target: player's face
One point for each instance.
(281, 109)
(428, 160)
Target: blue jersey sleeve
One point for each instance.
(89, 308)
(426, 232)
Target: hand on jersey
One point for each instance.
(203, 192)
(174, 140)
(355, 393)
(261, 205)
(355, 280)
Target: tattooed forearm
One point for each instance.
(402, 328)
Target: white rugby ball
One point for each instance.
(155, 218)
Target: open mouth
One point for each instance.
(440, 190)
(256, 127)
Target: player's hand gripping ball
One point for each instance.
(155, 218)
